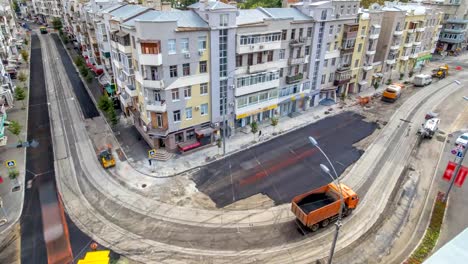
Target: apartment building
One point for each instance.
(454, 23)
(273, 48)
(366, 33)
(172, 104)
(47, 10)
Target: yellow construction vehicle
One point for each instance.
(441, 72)
(106, 158)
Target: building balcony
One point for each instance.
(404, 58)
(367, 67)
(158, 132)
(408, 44)
(395, 47)
(457, 21)
(439, 26)
(398, 32)
(410, 31)
(295, 61)
(343, 75)
(124, 48)
(276, 64)
(458, 40)
(391, 62)
(149, 83)
(131, 90)
(243, 90)
(244, 49)
(374, 36)
(125, 99)
(417, 43)
(454, 30)
(150, 59)
(156, 106)
(349, 35)
(420, 29)
(370, 52)
(414, 56)
(294, 78)
(297, 42)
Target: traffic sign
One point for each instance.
(10, 163)
(460, 154)
(454, 151)
(152, 153)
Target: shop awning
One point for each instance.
(204, 131)
(425, 57)
(189, 146)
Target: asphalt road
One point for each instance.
(286, 166)
(40, 171)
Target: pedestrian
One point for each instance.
(259, 134)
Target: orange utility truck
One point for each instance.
(321, 206)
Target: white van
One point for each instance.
(422, 80)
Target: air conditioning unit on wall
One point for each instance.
(187, 55)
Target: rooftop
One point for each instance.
(183, 18)
(249, 16)
(127, 11)
(408, 7)
(212, 5)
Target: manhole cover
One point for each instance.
(143, 186)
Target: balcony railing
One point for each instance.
(156, 106)
(294, 78)
(297, 42)
(342, 77)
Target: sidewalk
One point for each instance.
(13, 201)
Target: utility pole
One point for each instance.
(224, 124)
(455, 173)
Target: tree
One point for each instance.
(251, 4)
(112, 116)
(89, 78)
(22, 77)
(84, 71)
(57, 23)
(274, 122)
(254, 128)
(79, 61)
(13, 174)
(20, 94)
(104, 103)
(16, 7)
(15, 128)
(24, 55)
(376, 85)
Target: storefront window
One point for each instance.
(179, 137)
(190, 134)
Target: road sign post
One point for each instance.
(151, 159)
(10, 164)
(455, 173)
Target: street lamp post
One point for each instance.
(336, 180)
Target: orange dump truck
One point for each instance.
(322, 205)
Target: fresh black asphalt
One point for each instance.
(287, 165)
(86, 103)
(40, 162)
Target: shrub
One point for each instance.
(24, 55)
(89, 78)
(13, 174)
(78, 61)
(15, 128)
(20, 94)
(22, 77)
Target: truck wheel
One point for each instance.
(325, 223)
(314, 227)
(347, 212)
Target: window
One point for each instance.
(330, 30)
(259, 57)
(359, 47)
(223, 20)
(203, 88)
(270, 55)
(171, 46)
(202, 43)
(239, 61)
(338, 29)
(324, 76)
(333, 62)
(179, 137)
(282, 53)
(307, 50)
(188, 92)
(328, 46)
(188, 113)
(309, 32)
(354, 9)
(305, 68)
(331, 77)
(341, 9)
(263, 97)
(301, 32)
(324, 14)
(363, 31)
(325, 63)
(175, 94)
(298, 54)
(186, 69)
(202, 67)
(293, 33)
(356, 63)
(284, 34)
(176, 116)
(250, 59)
(190, 134)
(184, 45)
(173, 71)
(150, 48)
(336, 45)
(204, 109)
(349, 9)
(281, 73)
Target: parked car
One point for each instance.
(422, 80)
(462, 139)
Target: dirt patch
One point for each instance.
(258, 201)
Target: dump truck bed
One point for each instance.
(315, 201)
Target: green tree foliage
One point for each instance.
(57, 23)
(89, 78)
(25, 55)
(15, 128)
(254, 128)
(250, 4)
(13, 174)
(112, 115)
(16, 6)
(84, 71)
(20, 94)
(104, 103)
(79, 61)
(274, 122)
(22, 77)
(367, 3)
